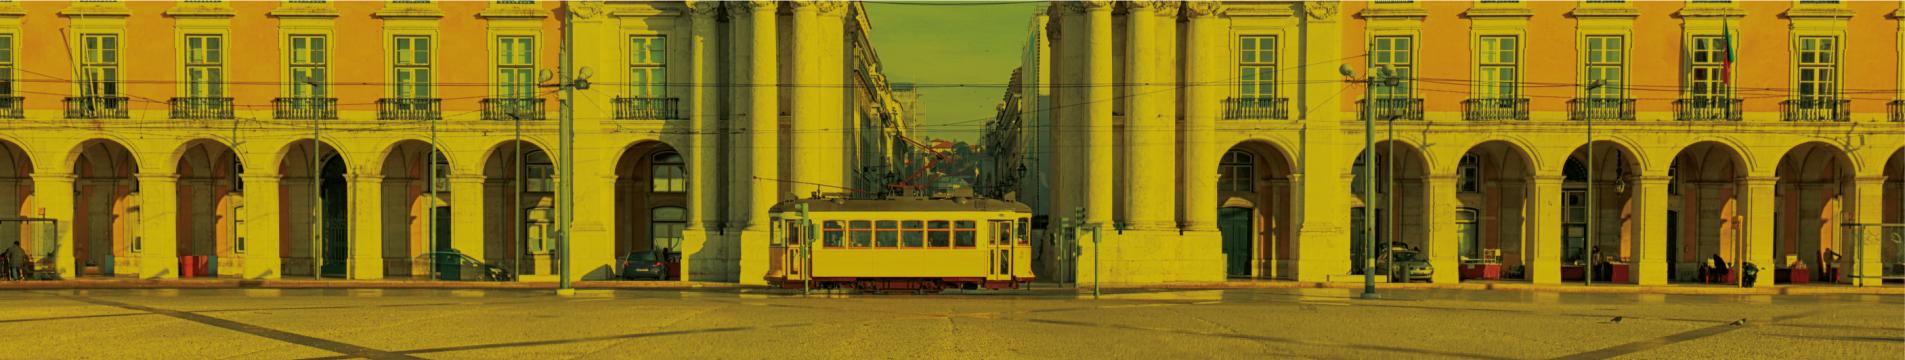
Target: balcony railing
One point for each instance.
(1816, 109)
(1708, 109)
(12, 107)
(1391, 108)
(409, 108)
(201, 108)
(96, 107)
(1896, 109)
(304, 108)
(646, 108)
(1495, 109)
(512, 109)
(1601, 109)
(1256, 108)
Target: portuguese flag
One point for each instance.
(1726, 52)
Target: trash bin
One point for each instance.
(211, 266)
(187, 267)
(1749, 274)
(106, 268)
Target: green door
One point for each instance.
(1235, 224)
(448, 261)
(333, 195)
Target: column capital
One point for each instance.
(158, 177)
(250, 178)
(702, 9)
(53, 176)
(1203, 9)
(1653, 179)
(1758, 180)
(465, 179)
(1141, 5)
(1874, 179)
(806, 5)
(1087, 6)
(1168, 9)
(366, 178)
(1549, 180)
(752, 6)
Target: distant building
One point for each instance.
(911, 108)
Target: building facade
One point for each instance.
(295, 139)
(1527, 139)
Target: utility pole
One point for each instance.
(1588, 245)
(1380, 76)
(516, 202)
(432, 208)
(565, 201)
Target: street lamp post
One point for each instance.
(1380, 76)
(1588, 245)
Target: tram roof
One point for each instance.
(903, 204)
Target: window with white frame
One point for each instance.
(647, 70)
(1236, 172)
(6, 64)
(1398, 54)
(664, 227)
(204, 66)
(1500, 67)
(411, 63)
(1468, 233)
(309, 67)
(1606, 66)
(1257, 67)
(1818, 67)
(670, 176)
(99, 64)
(515, 67)
(1707, 56)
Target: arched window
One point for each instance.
(1673, 177)
(1574, 171)
(1468, 174)
(1356, 185)
(1468, 233)
(668, 173)
(440, 172)
(1235, 171)
(664, 227)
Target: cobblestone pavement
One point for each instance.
(756, 323)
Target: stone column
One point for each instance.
(1650, 241)
(1146, 131)
(764, 114)
(53, 193)
(466, 216)
(1546, 217)
(1866, 258)
(1759, 202)
(1323, 231)
(807, 141)
(367, 226)
(260, 233)
(1444, 248)
(701, 151)
(158, 226)
(1098, 99)
(1203, 42)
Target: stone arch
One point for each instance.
(409, 206)
(644, 181)
(1814, 192)
(17, 193)
(1598, 204)
(314, 234)
(1255, 198)
(208, 193)
(521, 238)
(1399, 207)
(1494, 183)
(1704, 198)
(105, 210)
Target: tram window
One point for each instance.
(887, 235)
(1001, 232)
(793, 232)
(965, 233)
(938, 234)
(862, 234)
(832, 234)
(1025, 231)
(914, 235)
(778, 232)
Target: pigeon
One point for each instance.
(1615, 320)
(1740, 322)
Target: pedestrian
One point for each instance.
(16, 260)
(1829, 266)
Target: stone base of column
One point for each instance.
(261, 266)
(158, 266)
(1321, 252)
(1151, 257)
(372, 268)
(1447, 270)
(1544, 271)
(1649, 272)
(702, 259)
(753, 260)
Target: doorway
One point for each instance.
(1235, 224)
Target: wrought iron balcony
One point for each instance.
(1816, 108)
(96, 107)
(304, 108)
(1391, 108)
(409, 108)
(1708, 108)
(646, 108)
(201, 108)
(1601, 109)
(1495, 109)
(12, 107)
(1896, 109)
(513, 109)
(1256, 108)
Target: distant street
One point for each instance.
(755, 323)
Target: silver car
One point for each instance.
(1405, 265)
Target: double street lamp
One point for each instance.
(1383, 77)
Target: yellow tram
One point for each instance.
(909, 243)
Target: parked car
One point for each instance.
(644, 265)
(451, 265)
(1405, 265)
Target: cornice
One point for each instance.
(96, 9)
(1499, 12)
(1711, 12)
(409, 11)
(304, 10)
(201, 10)
(1622, 11)
(516, 11)
(1278, 10)
(1801, 12)
(1386, 12)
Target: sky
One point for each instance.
(938, 45)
